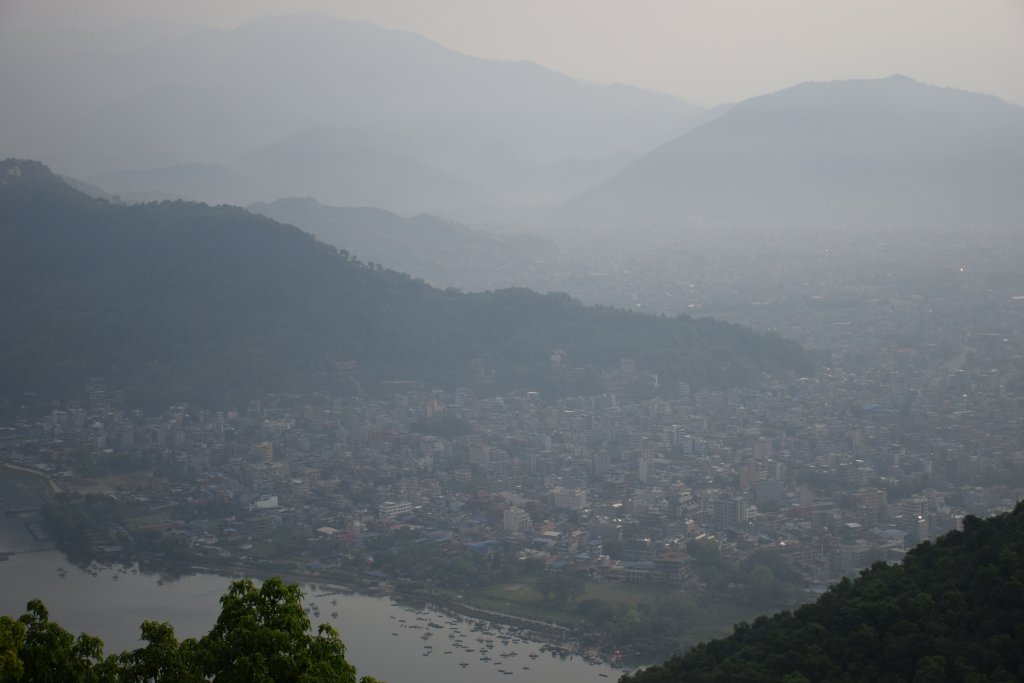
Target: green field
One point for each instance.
(711, 616)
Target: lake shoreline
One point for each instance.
(551, 635)
(385, 635)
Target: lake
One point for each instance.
(383, 639)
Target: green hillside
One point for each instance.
(952, 611)
(182, 301)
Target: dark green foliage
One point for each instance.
(180, 301)
(596, 611)
(38, 650)
(162, 659)
(952, 611)
(651, 629)
(262, 635)
(561, 588)
(408, 555)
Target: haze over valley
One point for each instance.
(536, 344)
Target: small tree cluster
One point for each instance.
(262, 635)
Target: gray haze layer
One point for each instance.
(877, 152)
(307, 104)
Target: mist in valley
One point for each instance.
(598, 327)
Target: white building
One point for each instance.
(573, 499)
(390, 509)
(516, 520)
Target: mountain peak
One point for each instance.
(872, 151)
(458, 116)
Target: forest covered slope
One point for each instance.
(953, 610)
(183, 301)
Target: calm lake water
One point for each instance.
(384, 640)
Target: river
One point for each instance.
(383, 639)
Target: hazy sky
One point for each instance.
(705, 51)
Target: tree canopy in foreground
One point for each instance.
(262, 635)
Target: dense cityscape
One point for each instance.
(830, 473)
(533, 507)
(567, 341)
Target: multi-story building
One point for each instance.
(727, 511)
(390, 509)
(573, 499)
(516, 520)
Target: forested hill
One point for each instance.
(443, 253)
(183, 301)
(952, 611)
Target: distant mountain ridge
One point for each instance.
(886, 152)
(338, 166)
(209, 183)
(183, 301)
(216, 95)
(353, 167)
(444, 253)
